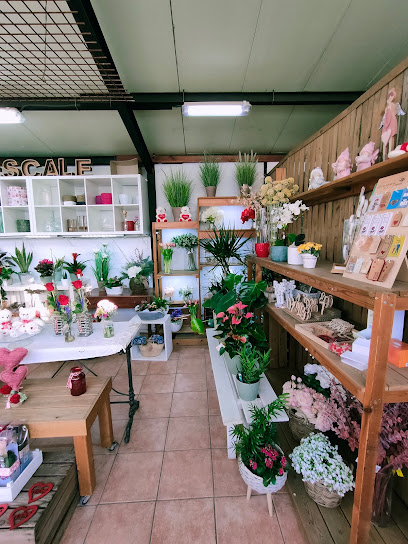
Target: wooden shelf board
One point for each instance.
(351, 185)
(176, 225)
(218, 201)
(320, 277)
(195, 273)
(396, 382)
(246, 233)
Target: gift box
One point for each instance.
(398, 353)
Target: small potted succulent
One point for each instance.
(150, 311)
(252, 365)
(326, 476)
(176, 320)
(114, 286)
(310, 252)
(149, 348)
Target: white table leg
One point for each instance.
(230, 443)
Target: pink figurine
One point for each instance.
(342, 167)
(367, 156)
(389, 124)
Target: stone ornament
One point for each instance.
(367, 156)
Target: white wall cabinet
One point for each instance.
(49, 216)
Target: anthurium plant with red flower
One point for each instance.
(247, 214)
(256, 445)
(76, 267)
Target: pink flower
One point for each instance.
(221, 314)
(283, 462)
(242, 339)
(281, 472)
(253, 464)
(249, 315)
(268, 462)
(225, 319)
(241, 306)
(236, 320)
(232, 310)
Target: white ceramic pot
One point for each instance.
(176, 325)
(293, 256)
(114, 290)
(309, 261)
(124, 199)
(26, 278)
(247, 391)
(65, 283)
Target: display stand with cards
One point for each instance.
(378, 254)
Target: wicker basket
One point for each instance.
(322, 496)
(58, 324)
(84, 324)
(300, 426)
(151, 349)
(256, 483)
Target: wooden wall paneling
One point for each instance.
(365, 124)
(313, 147)
(403, 128)
(324, 160)
(296, 169)
(318, 152)
(333, 151)
(303, 182)
(356, 145)
(342, 139)
(378, 107)
(352, 131)
(337, 230)
(307, 150)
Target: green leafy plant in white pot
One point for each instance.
(253, 364)
(177, 190)
(210, 173)
(114, 286)
(22, 260)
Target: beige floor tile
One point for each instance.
(189, 404)
(121, 384)
(163, 367)
(139, 368)
(154, 405)
(146, 435)
(187, 364)
(79, 525)
(227, 479)
(188, 433)
(218, 432)
(118, 425)
(190, 382)
(47, 370)
(103, 466)
(213, 405)
(288, 520)
(158, 383)
(119, 411)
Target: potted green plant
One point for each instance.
(310, 253)
(245, 169)
(22, 260)
(252, 365)
(210, 173)
(177, 190)
(138, 270)
(46, 269)
(224, 245)
(186, 293)
(76, 268)
(197, 324)
(102, 266)
(151, 311)
(149, 348)
(295, 240)
(326, 476)
(262, 464)
(114, 286)
(187, 242)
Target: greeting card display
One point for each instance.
(380, 247)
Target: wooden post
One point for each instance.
(105, 422)
(85, 464)
(258, 273)
(384, 308)
(250, 274)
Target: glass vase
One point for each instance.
(108, 328)
(272, 218)
(69, 337)
(167, 264)
(382, 499)
(191, 260)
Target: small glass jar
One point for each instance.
(108, 329)
(77, 381)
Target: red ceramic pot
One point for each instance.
(262, 250)
(130, 225)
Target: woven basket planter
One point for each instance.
(151, 349)
(58, 324)
(322, 496)
(300, 426)
(84, 323)
(256, 483)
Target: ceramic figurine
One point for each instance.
(399, 150)
(161, 215)
(389, 123)
(367, 156)
(280, 294)
(316, 179)
(342, 167)
(185, 214)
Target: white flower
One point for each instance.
(104, 255)
(212, 215)
(133, 271)
(169, 291)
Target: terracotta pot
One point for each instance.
(211, 190)
(262, 249)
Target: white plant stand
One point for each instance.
(168, 342)
(235, 411)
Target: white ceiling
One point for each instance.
(227, 45)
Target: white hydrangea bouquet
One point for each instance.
(213, 215)
(320, 462)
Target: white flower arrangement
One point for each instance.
(289, 213)
(212, 215)
(323, 376)
(169, 291)
(133, 271)
(319, 462)
(105, 309)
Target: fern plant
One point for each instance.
(223, 245)
(21, 259)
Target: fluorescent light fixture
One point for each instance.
(9, 116)
(216, 109)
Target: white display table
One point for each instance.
(168, 340)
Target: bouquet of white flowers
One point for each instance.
(212, 215)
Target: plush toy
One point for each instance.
(399, 150)
(28, 323)
(342, 166)
(161, 215)
(185, 214)
(5, 322)
(13, 374)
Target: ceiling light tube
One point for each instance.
(10, 116)
(216, 109)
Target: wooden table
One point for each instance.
(51, 411)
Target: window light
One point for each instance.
(10, 116)
(216, 109)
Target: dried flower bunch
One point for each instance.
(277, 192)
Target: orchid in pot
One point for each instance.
(310, 252)
(253, 364)
(105, 309)
(138, 269)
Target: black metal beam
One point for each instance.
(129, 120)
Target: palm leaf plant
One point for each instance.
(177, 189)
(224, 245)
(210, 171)
(245, 169)
(21, 259)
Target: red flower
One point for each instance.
(77, 284)
(1, 270)
(15, 399)
(5, 390)
(78, 273)
(49, 287)
(75, 256)
(63, 300)
(247, 214)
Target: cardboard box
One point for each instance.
(398, 353)
(124, 167)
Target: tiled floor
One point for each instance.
(173, 482)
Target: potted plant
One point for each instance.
(46, 269)
(150, 311)
(105, 309)
(224, 245)
(166, 249)
(5, 279)
(210, 173)
(213, 216)
(245, 169)
(186, 293)
(197, 324)
(138, 270)
(114, 286)
(310, 252)
(76, 268)
(262, 464)
(22, 260)
(102, 266)
(150, 348)
(177, 190)
(252, 365)
(295, 241)
(326, 476)
(187, 242)
(176, 320)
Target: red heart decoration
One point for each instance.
(20, 515)
(3, 508)
(38, 491)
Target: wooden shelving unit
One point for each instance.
(381, 383)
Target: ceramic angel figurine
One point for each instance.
(367, 156)
(316, 179)
(389, 123)
(342, 167)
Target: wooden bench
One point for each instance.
(51, 411)
(235, 411)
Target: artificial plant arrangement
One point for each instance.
(102, 267)
(310, 253)
(156, 309)
(253, 364)
(186, 293)
(76, 268)
(138, 270)
(169, 292)
(257, 450)
(224, 245)
(5, 275)
(177, 190)
(166, 249)
(197, 324)
(22, 260)
(113, 282)
(62, 310)
(245, 169)
(105, 310)
(45, 268)
(213, 216)
(187, 242)
(210, 173)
